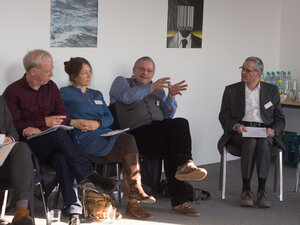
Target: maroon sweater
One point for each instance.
(30, 107)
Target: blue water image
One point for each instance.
(74, 23)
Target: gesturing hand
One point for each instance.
(160, 84)
(177, 88)
(54, 120)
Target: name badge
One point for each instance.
(98, 102)
(268, 105)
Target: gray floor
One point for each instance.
(217, 211)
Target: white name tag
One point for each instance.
(98, 102)
(268, 105)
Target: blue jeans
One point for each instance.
(57, 150)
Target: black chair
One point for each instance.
(276, 152)
(46, 170)
(6, 186)
(150, 168)
(100, 161)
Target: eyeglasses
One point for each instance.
(246, 70)
(142, 69)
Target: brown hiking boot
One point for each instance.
(190, 172)
(137, 194)
(136, 211)
(186, 209)
(132, 181)
(262, 200)
(246, 199)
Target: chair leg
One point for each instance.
(297, 174)
(277, 164)
(3, 209)
(104, 170)
(224, 173)
(118, 177)
(280, 177)
(221, 174)
(45, 204)
(55, 202)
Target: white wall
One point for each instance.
(290, 53)
(232, 30)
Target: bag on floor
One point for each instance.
(98, 207)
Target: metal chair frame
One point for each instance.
(223, 165)
(297, 173)
(37, 181)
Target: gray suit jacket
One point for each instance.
(233, 110)
(6, 122)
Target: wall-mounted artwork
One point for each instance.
(185, 21)
(74, 23)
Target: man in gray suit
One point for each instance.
(17, 167)
(251, 103)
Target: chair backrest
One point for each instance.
(115, 125)
(233, 150)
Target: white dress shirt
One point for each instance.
(252, 110)
(179, 39)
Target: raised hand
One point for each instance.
(176, 89)
(160, 84)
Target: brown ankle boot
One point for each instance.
(22, 217)
(136, 211)
(133, 188)
(137, 194)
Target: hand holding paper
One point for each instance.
(257, 132)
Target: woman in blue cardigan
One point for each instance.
(90, 116)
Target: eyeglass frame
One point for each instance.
(247, 70)
(142, 69)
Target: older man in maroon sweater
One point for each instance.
(36, 105)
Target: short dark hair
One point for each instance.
(74, 65)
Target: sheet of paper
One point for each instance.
(257, 132)
(51, 129)
(114, 132)
(4, 151)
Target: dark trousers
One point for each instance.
(170, 140)
(57, 150)
(253, 151)
(18, 169)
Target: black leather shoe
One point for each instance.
(24, 221)
(262, 200)
(246, 199)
